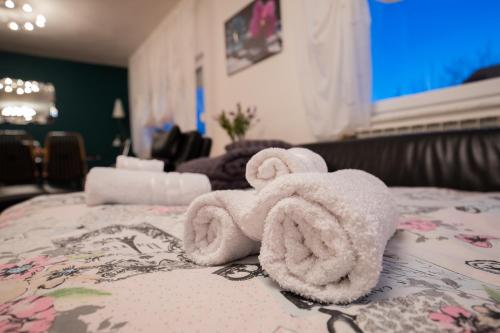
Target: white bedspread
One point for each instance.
(66, 267)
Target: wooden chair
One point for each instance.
(65, 164)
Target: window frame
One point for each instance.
(469, 102)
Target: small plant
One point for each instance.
(236, 124)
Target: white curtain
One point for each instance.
(162, 78)
(334, 63)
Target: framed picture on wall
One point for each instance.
(253, 34)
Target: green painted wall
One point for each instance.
(85, 96)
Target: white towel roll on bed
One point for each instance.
(133, 163)
(110, 185)
(324, 235)
(211, 232)
(268, 164)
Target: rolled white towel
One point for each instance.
(268, 164)
(324, 235)
(133, 163)
(211, 232)
(110, 185)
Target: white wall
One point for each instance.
(271, 85)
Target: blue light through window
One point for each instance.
(420, 45)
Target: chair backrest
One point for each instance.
(65, 159)
(17, 165)
(15, 135)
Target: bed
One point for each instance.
(66, 267)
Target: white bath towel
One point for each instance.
(133, 163)
(110, 185)
(324, 235)
(268, 164)
(211, 232)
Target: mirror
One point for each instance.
(25, 102)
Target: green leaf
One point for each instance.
(494, 294)
(77, 292)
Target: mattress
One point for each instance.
(66, 267)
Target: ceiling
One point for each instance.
(94, 31)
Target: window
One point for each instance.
(421, 45)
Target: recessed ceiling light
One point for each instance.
(27, 8)
(29, 26)
(13, 26)
(9, 4)
(40, 21)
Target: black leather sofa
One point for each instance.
(465, 159)
(175, 147)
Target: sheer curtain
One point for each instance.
(334, 65)
(162, 78)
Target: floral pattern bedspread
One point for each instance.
(66, 267)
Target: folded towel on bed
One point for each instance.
(133, 163)
(270, 163)
(324, 235)
(211, 232)
(110, 185)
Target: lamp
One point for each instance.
(119, 115)
(118, 112)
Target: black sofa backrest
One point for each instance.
(465, 159)
(165, 144)
(175, 147)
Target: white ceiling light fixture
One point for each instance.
(27, 8)
(20, 16)
(9, 4)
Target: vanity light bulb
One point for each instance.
(9, 4)
(29, 26)
(8, 89)
(13, 26)
(8, 81)
(40, 21)
(27, 8)
(20, 91)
